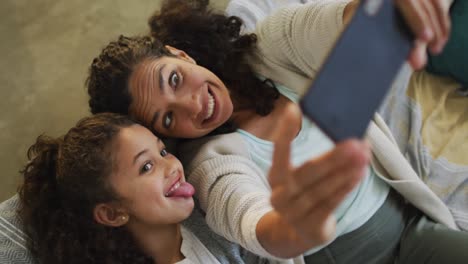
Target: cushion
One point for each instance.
(428, 118)
(13, 248)
(453, 61)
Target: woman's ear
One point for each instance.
(180, 54)
(110, 215)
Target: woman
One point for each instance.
(110, 192)
(227, 82)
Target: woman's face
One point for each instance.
(149, 181)
(177, 98)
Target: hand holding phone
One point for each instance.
(358, 71)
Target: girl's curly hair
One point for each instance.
(212, 39)
(63, 181)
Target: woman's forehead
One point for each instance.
(150, 69)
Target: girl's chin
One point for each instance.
(189, 208)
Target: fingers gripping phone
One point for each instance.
(358, 71)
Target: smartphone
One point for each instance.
(358, 71)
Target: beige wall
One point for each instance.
(46, 48)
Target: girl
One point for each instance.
(109, 192)
(242, 84)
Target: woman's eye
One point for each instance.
(146, 167)
(174, 80)
(164, 152)
(167, 120)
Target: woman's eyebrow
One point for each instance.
(161, 78)
(162, 89)
(154, 119)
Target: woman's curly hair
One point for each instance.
(212, 39)
(63, 181)
(109, 73)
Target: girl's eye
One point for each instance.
(174, 79)
(164, 152)
(146, 167)
(167, 120)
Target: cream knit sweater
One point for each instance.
(231, 189)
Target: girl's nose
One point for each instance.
(173, 168)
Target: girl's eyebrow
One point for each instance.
(144, 151)
(139, 154)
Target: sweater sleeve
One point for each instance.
(231, 189)
(233, 198)
(293, 42)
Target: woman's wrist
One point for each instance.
(279, 238)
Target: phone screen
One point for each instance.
(358, 71)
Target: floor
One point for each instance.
(47, 47)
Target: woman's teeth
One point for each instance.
(211, 104)
(175, 187)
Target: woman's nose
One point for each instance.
(191, 106)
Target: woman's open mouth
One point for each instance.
(211, 108)
(211, 104)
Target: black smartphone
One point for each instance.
(358, 71)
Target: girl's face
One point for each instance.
(177, 98)
(149, 180)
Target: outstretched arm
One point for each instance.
(304, 198)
